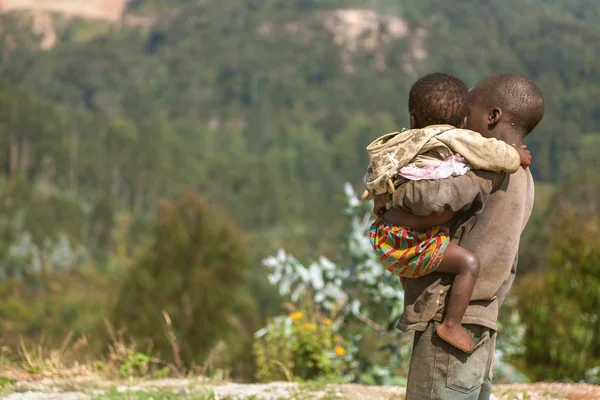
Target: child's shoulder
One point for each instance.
(461, 132)
(430, 130)
(407, 136)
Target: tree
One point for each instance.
(194, 273)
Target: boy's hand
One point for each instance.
(379, 204)
(525, 155)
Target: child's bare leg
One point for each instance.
(465, 265)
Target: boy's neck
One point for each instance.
(509, 136)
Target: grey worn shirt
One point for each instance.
(493, 211)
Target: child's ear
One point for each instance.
(463, 124)
(494, 116)
(413, 121)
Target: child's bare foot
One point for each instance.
(456, 336)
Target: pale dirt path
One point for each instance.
(90, 388)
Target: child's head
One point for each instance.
(510, 101)
(438, 99)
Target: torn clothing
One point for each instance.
(429, 147)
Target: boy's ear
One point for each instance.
(413, 121)
(463, 124)
(494, 116)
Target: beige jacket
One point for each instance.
(422, 147)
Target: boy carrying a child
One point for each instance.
(436, 147)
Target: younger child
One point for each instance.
(436, 147)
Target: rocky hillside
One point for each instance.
(109, 10)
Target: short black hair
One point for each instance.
(514, 94)
(439, 98)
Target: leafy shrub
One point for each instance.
(560, 307)
(298, 345)
(194, 272)
(365, 297)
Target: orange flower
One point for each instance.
(327, 321)
(296, 315)
(339, 350)
(309, 326)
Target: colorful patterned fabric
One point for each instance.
(408, 253)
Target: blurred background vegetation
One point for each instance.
(148, 165)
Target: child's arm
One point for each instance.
(401, 217)
(459, 193)
(379, 204)
(483, 153)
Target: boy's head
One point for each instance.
(438, 99)
(510, 101)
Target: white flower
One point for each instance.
(353, 200)
(316, 277)
(260, 333)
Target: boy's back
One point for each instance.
(493, 233)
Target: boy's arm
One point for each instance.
(483, 153)
(459, 193)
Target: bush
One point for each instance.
(299, 345)
(188, 291)
(560, 307)
(363, 295)
(64, 302)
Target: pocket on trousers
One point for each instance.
(466, 372)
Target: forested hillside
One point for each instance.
(262, 107)
(265, 106)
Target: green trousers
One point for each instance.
(439, 371)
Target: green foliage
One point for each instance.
(4, 382)
(299, 346)
(262, 94)
(366, 299)
(192, 276)
(150, 394)
(63, 303)
(560, 307)
(135, 365)
(141, 365)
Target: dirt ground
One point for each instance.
(93, 388)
